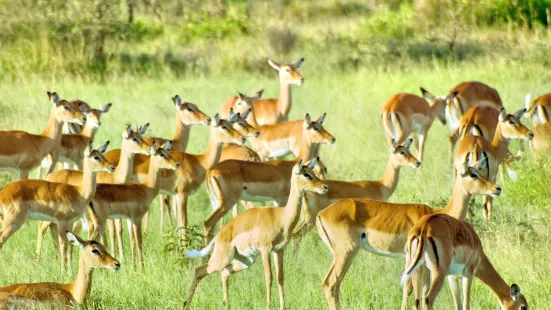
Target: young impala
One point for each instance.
(407, 114)
(23, 151)
(451, 248)
(257, 231)
(509, 127)
(379, 227)
(273, 111)
(55, 202)
(92, 256)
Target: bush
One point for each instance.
(282, 41)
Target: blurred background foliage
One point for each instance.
(100, 39)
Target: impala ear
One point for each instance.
(408, 143)
(106, 108)
(103, 147)
(246, 113)
(154, 146)
(465, 168)
(143, 128)
(298, 167)
(527, 100)
(518, 114)
(241, 96)
(426, 94)
(321, 119)
(297, 64)
(128, 132)
(394, 144)
(502, 114)
(451, 95)
(74, 239)
(258, 94)
(307, 120)
(312, 163)
(89, 150)
(233, 117)
(83, 107)
(54, 98)
(177, 100)
(481, 164)
(274, 65)
(216, 120)
(515, 292)
(167, 146)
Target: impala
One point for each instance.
(450, 247)
(539, 110)
(55, 202)
(404, 114)
(257, 231)
(273, 111)
(240, 104)
(379, 227)
(132, 201)
(132, 144)
(23, 151)
(92, 256)
(509, 127)
(541, 142)
(477, 121)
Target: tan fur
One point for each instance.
(541, 142)
(241, 152)
(23, 151)
(92, 255)
(273, 111)
(349, 225)
(539, 111)
(442, 246)
(40, 200)
(509, 127)
(478, 120)
(258, 231)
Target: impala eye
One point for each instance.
(163, 155)
(96, 158)
(512, 123)
(317, 129)
(135, 140)
(403, 153)
(308, 176)
(225, 127)
(95, 252)
(190, 109)
(474, 175)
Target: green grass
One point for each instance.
(517, 240)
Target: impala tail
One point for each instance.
(414, 263)
(200, 253)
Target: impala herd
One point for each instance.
(349, 215)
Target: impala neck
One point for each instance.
(251, 119)
(284, 101)
(153, 175)
(214, 150)
(291, 214)
(53, 131)
(88, 131)
(436, 108)
(123, 171)
(181, 135)
(80, 289)
(390, 179)
(500, 144)
(459, 202)
(487, 274)
(87, 188)
(308, 150)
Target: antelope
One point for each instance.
(404, 114)
(450, 247)
(349, 225)
(257, 231)
(241, 152)
(381, 190)
(50, 201)
(468, 94)
(273, 111)
(132, 201)
(232, 180)
(509, 127)
(92, 256)
(541, 142)
(539, 110)
(132, 144)
(241, 104)
(24, 151)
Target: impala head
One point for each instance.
(67, 112)
(161, 158)
(442, 103)
(320, 169)
(473, 180)
(93, 116)
(242, 126)
(223, 130)
(518, 301)
(305, 178)
(512, 128)
(96, 161)
(190, 113)
(288, 73)
(401, 156)
(133, 140)
(314, 131)
(245, 103)
(95, 255)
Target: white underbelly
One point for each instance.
(248, 197)
(35, 216)
(456, 269)
(279, 152)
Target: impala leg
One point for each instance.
(200, 273)
(132, 241)
(137, 227)
(420, 281)
(488, 203)
(182, 212)
(10, 224)
(467, 283)
(421, 146)
(145, 221)
(118, 228)
(406, 291)
(217, 214)
(63, 243)
(235, 266)
(42, 228)
(23, 174)
(163, 208)
(265, 252)
(332, 281)
(456, 292)
(280, 275)
(53, 159)
(111, 228)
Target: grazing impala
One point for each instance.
(56, 202)
(379, 227)
(450, 247)
(407, 114)
(273, 111)
(132, 144)
(92, 256)
(509, 127)
(539, 110)
(469, 94)
(257, 231)
(23, 151)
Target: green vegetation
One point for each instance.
(356, 58)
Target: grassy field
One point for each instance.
(517, 240)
